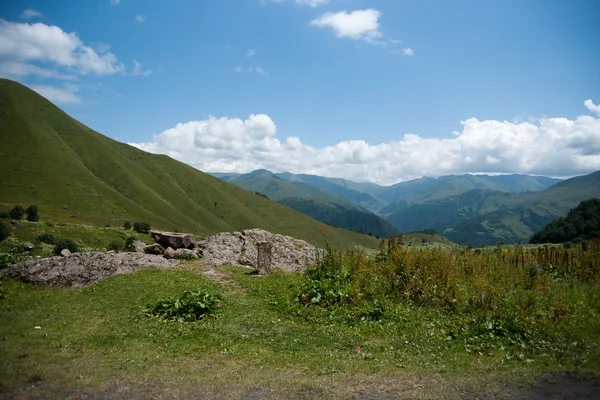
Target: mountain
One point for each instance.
(324, 206)
(73, 173)
(581, 223)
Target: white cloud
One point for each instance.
(238, 69)
(30, 13)
(551, 146)
(139, 70)
(140, 18)
(115, 2)
(592, 107)
(257, 70)
(65, 95)
(251, 53)
(39, 48)
(312, 3)
(408, 52)
(359, 24)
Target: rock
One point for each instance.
(174, 240)
(154, 249)
(82, 269)
(242, 249)
(169, 253)
(65, 253)
(137, 246)
(27, 248)
(185, 254)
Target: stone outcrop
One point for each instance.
(80, 269)
(137, 246)
(185, 254)
(155, 249)
(174, 240)
(258, 249)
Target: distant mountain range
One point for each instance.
(469, 209)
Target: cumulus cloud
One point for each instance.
(140, 18)
(40, 49)
(359, 24)
(408, 52)
(65, 95)
(30, 13)
(592, 107)
(550, 146)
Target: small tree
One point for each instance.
(141, 227)
(32, 213)
(127, 225)
(16, 212)
(4, 231)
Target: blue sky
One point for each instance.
(351, 85)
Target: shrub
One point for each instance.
(4, 231)
(16, 212)
(65, 243)
(141, 227)
(189, 307)
(6, 260)
(4, 214)
(130, 241)
(127, 225)
(115, 245)
(32, 213)
(46, 237)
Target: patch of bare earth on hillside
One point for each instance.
(552, 387)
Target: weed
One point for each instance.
(189, 307)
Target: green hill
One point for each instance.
(78, 175)
(581, 223)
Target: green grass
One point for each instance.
(266, 342)
(76, 175)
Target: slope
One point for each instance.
(75, 174)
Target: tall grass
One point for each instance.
(544, 299)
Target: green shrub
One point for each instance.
(127, 225)
(130, 241)
(65, 243)
(189, 307)
(16, 212)
(32, 213)
(46, 237)
(141, 227)
(4, 231)
(4, 214)
(115, 245)
(6, 260)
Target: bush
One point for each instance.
(130, 241)
(115, 245)
(141, 227)
(127, 225)
(46, 237)
(4, 214)
(6, 260)
(65, 243)
(16, 212)
(4, 231)
(189, 307)
(32, 213)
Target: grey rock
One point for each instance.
(155, 248)
(137, 246)
(185, 254)
(169, 253)
(82, 269)
(65, 253)
(242, 249)
(174, 240)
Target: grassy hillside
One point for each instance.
(78, 175)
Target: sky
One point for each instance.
(367, 90)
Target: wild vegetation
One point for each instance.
(582, 223)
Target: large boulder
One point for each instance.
(82, 269)
(174, 240)
(185, 254)
(169, 253)
(155, 248)
(137, 246)
(258, 249)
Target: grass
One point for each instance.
(268, 342)
(76, 175)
